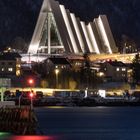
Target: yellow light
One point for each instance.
(18, 65)
(18, 72)
(130, 71)
(56, 107)
(100, 74)
(56, 71)
(9, 49)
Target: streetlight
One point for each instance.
(100, 74)
(56, 74)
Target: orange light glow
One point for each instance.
(30, 81)
(33, 138)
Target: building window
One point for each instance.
(18, 73)
(123, 69)
(78, 63)
(10, 69)
(117, 69)
(2, 69)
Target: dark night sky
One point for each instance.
(18, 17)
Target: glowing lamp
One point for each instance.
(31, 94)
(30, 81)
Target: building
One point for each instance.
(104, 31)
(59, 63)
(71, 35)
(114, 71)
(10, 64)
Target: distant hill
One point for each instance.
(18, 17)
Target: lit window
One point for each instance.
(10, 69)
(18, 73)
(18, 65)
(123, 69)
(76, 63)
(2, 69)
(100, 74)
(117, 69)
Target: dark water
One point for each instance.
(90, 123)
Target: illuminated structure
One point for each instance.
(10, 64)
(114, 70)
(70, 34)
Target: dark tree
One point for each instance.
(86, 68)
(136, 69)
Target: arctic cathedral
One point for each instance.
(71, 35)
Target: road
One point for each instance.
(90, 123)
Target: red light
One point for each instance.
(33, 138)
(31, 94)
(30, 81)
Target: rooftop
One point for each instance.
(59, 61)
(117, 63)
(9, 56)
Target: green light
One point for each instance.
(4, 135)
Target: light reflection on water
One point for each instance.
(55, 107)
(30, 138)
(97, 123)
